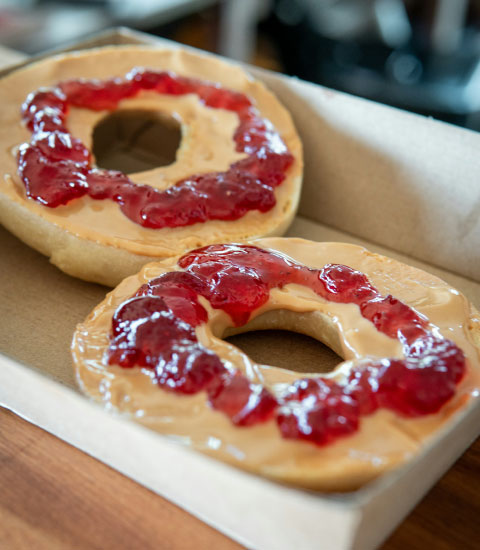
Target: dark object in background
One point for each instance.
(417, 55)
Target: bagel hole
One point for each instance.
(286, 350)
(136, 140)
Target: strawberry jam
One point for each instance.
(155, 330)
(56, 168)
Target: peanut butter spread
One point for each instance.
(385, 439)
(206, 146)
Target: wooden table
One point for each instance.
(54, 496)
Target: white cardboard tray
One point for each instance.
(361, 158)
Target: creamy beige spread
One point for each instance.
(385, 439)
(206, 146)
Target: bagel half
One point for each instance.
(384, 440)
(93, 239)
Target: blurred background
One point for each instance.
(420, 55)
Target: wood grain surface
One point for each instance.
(53, 496)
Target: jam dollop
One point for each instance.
(56, 167)
(155, 330)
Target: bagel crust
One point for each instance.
(385, 439)
(93, 239)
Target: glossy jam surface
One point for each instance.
(56, 168)
(155, 330)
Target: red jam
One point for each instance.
(56, 167)
(155, 330)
